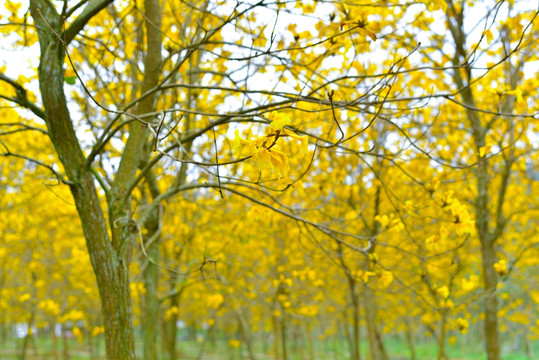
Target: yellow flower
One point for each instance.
(488, 35)
(368, 274)
(361, 23)
(383, 220)
(234, 343)
(280, 120)
(501, 267)
(463, 325)
(443, 291)
(78, 333)
(238, 141)
(308, 310)
(98, 330)
(172, 311)
(214, 301)
(433, 5)
(483, 150)
(517, 93)
(386, 278)
(472, 283)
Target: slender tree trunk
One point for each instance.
(377, 350)
(462, 77)
(441, 337)
(245, 337)
(276, 337)
(410, 339)
(65, 346)
(355, 336)
(27, 338)
(172, 329)
(54, 339)
(151, 273)
(283, 337)
(310, 343)
(30, 323)
(151, 307)
(490, 279)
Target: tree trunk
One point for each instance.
(108, 258)
(65, 346)
(283, 337)
(151, 273)
(441, 337)
(376, 347)
(355, 353)
(276, 337)
(491, 300)
(463, 77)
(410, 339)
(172, 329)
(151, 306)
(377, 350)
(54, 339)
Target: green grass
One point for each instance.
(42, 347)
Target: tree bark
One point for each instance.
(410, 339)
(377, 350)
(109, 258)
(441, 337)
(110, 269)
(462, 77)
(376, 347)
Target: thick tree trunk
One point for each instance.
(109, 258)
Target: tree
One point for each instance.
(238, 102)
